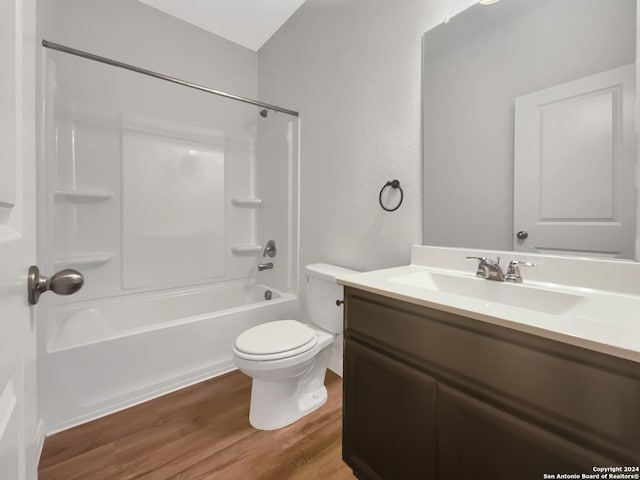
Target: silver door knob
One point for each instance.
(522, 235)
(65, 282)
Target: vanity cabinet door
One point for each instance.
(389, 417)
(477, 440)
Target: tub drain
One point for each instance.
(268, 295)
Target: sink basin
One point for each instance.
(515, 295)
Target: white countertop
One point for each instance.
(603, 320)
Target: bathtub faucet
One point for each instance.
(270, 249)
(265, 266)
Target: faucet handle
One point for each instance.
(486, 259)
(518, 263)
(270, 249)
(513, 272)
(481, 259)
(481, 272)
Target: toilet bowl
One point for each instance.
(287, 359)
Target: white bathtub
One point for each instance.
(111, 354)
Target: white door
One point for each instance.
(574, 167)
(17, 239)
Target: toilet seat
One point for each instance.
(275, 340)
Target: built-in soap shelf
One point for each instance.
(246, 249)
(246, 202)
(83, 260)
(83, 195)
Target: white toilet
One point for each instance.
(288, 359)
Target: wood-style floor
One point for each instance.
(200, 432)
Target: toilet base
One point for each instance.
(280, 397)
(287, 389)
(275, 406)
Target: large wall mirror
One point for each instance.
(529, 135)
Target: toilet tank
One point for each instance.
(322, 293)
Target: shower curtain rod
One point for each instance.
(150, 73)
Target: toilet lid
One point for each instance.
(276, 337)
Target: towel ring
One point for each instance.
(395, 184)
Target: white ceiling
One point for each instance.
(249, 23)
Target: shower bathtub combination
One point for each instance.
(164, 197)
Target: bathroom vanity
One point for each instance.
(441, 385)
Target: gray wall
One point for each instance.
(135, 33)
(469, 104)
(353, 70)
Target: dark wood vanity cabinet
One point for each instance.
(391, 408)
(477, 440)
(432, 395)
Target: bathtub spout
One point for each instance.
(265, 266)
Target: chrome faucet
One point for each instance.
(265, 266)
(489, 269)
(270, 249)
(513, 271)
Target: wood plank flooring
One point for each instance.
(201, 432)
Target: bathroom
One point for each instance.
(353, 70)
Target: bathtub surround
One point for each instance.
(163, 197)
(194, 129)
